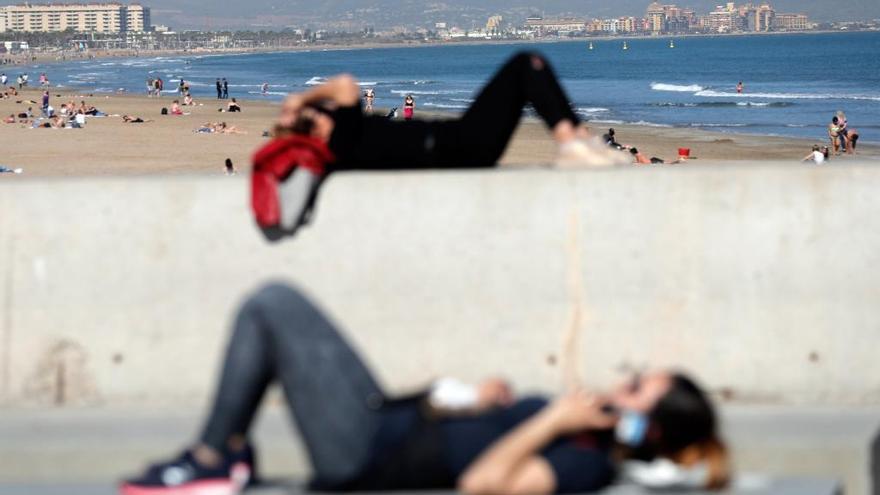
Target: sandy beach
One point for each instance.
(168, 144)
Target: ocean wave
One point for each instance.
(316, 81)
(692, 88)
(717, 125)
(275, 93)
(785, 96)
(444, 105)
(723, 104)
(429, 93)
(592, 110)
(642, 123)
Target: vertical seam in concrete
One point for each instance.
(571, 341)
(7, 319)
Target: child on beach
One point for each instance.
(175, 108)
(816, 156)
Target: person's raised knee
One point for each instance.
(277, 293)
(530, 59)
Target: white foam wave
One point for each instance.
(592, 110)
(276, 93)
(316, 81)
(368, 83)
(785, 96)
(719, 125)
(692, 88)
(429, 93)
(444, 105)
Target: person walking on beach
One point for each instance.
(265, 89)
(409, 107)
(3, 79)
(150, 87)
(20, 81)
(181, 88)
(219, 89)
(369, 96)
(225, 89)
(740, 87)
(158, 84)
(45, 103)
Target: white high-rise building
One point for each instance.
(106, 18)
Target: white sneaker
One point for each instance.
(17, 171)
(580, 153)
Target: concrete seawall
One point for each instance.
(763, 280)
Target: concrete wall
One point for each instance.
(765, 281)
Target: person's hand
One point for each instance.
(492, 393)
(290, 110)
(579, 411)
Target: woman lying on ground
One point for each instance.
(481, 440)
(326, 128)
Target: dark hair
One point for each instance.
(815, 147)
(687, 427)
(835, 120)
(305, 123)
(611, 132)
(634, 151)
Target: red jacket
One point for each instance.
(275, 162)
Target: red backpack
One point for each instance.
(274, 164)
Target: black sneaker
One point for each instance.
(185, 476)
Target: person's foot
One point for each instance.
(185, 476)
(589, 153)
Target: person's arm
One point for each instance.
(513, 466)
(342, 90)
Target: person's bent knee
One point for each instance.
(530, 59)
(276, 294)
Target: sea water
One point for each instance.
(793, 83)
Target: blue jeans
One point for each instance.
(280, 335)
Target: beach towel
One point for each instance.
(285, 179)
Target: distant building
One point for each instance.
(791, 22)
(493, 25)
(724, 19)
(105, 18)
(545, 26)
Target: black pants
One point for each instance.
(280, 336)
(476, 139)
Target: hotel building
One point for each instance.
(104, 18)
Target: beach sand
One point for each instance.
(168, 145)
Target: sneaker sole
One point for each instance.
(240, 475)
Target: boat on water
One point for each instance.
(625, 46)
(591, 45)
(671, 44)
